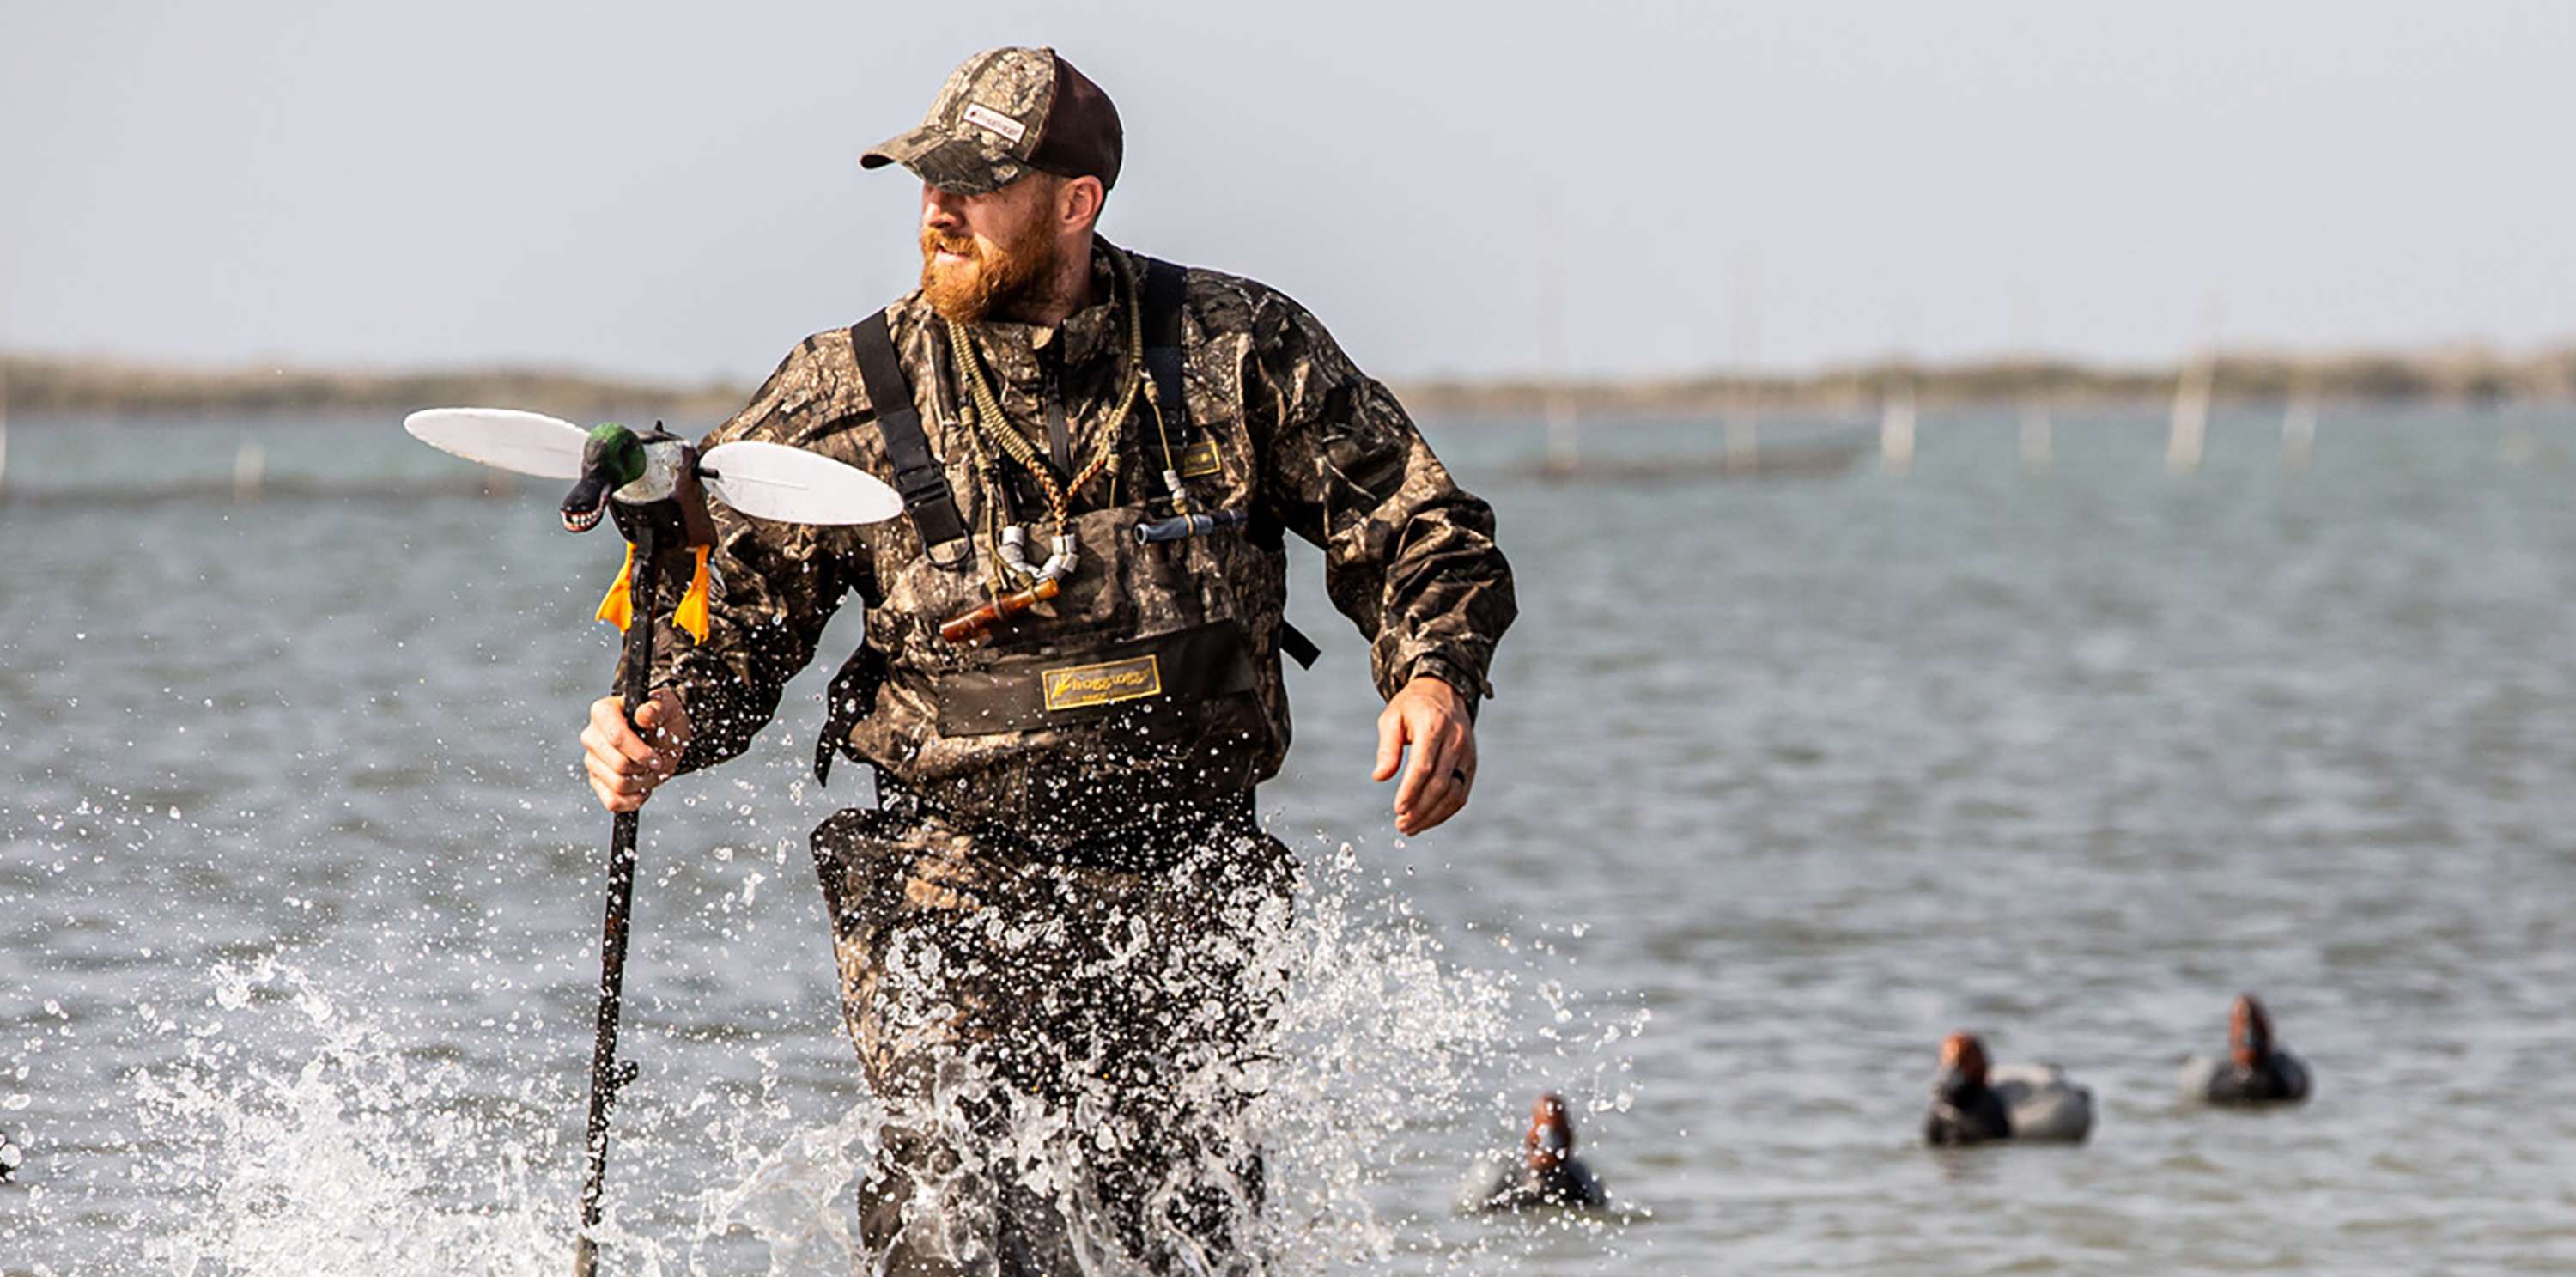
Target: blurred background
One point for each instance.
(2029, 518)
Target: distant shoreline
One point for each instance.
(43, 384)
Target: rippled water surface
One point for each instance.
(298, 888)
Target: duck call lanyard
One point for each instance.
(987, 423)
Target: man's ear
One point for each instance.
(1078, 202)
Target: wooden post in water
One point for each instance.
(1743, 421)
(1896, 425)
(1564, 442)
(250, 469)
(1564, 430)
(2189, 436)
(1896, 400)
(2038, 446)
(1743, 437)
(2299, 422)
(2038, 442)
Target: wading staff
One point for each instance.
(607, 1076)
(656, 484)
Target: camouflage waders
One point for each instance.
(989, 985)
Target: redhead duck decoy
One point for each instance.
(2254, 1072)
(1973, 1102)
(1547, 1173)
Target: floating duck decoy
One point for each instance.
(11, 1157)
(2254, 1071)
(1973, 1103)
(1546, 1173)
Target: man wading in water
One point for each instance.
(1070, 685)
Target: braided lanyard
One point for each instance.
(985, 421)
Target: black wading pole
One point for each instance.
(606, 1077)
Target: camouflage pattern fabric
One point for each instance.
(983, 127)
(1305, 443)
(1062, 909)
(988, 985)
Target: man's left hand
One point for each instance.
(1429, 717)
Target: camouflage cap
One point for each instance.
(1003, 113)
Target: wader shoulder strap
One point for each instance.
(1162, 289)
(917, 475)
(1163, 296)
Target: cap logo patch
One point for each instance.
(995, 122)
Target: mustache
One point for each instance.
(986, 275)
(933, 241)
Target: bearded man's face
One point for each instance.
(982, 254)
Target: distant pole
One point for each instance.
(2299, 423)
(1564, 443)
(1564, 431)
(2189, 437)
(2038, 444)
(2038, 447)
(1896, 402)
(1896, 425)
(250, 466)
(1743, 420)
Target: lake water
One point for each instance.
(1785, 780)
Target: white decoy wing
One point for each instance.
(791, 485)
(521, 442)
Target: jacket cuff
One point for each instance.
(1456, 673)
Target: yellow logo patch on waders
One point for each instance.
(1077, 686)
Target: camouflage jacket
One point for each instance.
(1306, 443)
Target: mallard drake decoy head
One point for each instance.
(612, 457)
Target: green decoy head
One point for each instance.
(610, 459)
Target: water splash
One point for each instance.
(295, 1128)
(360, 1158)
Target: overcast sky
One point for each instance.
(670, 189)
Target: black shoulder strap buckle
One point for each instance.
(918, 476)
(1294, 645)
